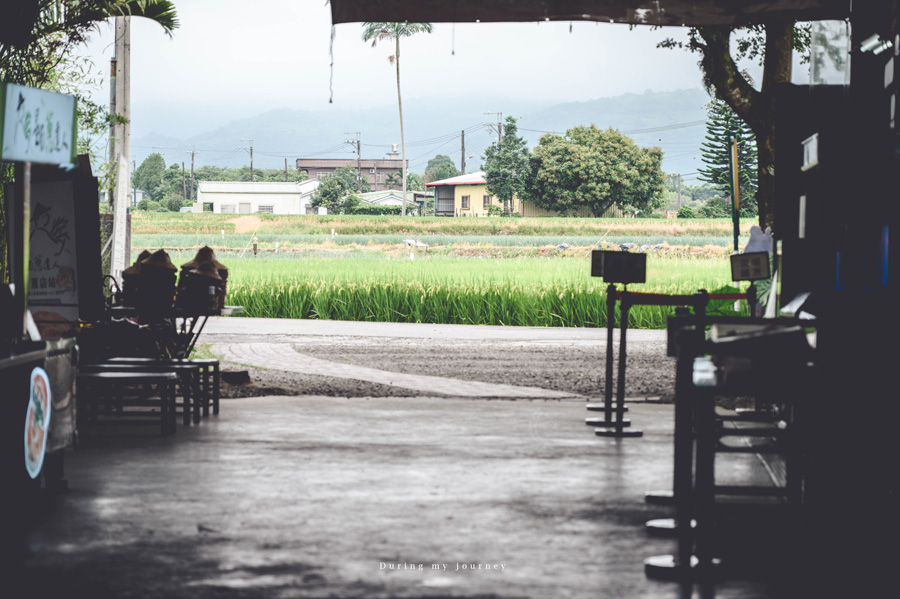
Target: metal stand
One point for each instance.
(614, 423)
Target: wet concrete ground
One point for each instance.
(331, 497)
(367, 497)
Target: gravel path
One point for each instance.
(570, 361)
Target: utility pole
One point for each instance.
(113, 66)
(285, 171)
(251, 159)
(120, 146)
(499, 125)
(356, 144)
(462, 160)
(679, 191)
(192, 174)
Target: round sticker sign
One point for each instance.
(37, 422)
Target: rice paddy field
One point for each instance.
(468, 274)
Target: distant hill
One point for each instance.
(433, 125)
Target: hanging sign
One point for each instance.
(37, 421)
(37, 125)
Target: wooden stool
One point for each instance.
(188, 391)
(210, 379)
(115, 393)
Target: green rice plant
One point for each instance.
(447, 290)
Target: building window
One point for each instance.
(321, 176)
(465, 202)
(487, 201)
(244, 208)
(266, 209)
(228, 208)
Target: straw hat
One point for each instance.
(136, 267)
(207, 269)
(158, 259)
(204, 254)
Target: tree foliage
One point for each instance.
(594, 168)
(349, 176)
(440, 167)
(415, 181)
(770, 45)
(36, 41)
(272, 175)
(722, 125)
(716, 207)
(336, 192)
(35, 36)
(506, 167)
(391, 179)
(148, 177)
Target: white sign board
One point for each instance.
(53, 272)
(37, 126)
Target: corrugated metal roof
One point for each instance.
(376, 197)
(269, 187)
(469, 179)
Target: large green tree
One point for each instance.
(506, 167)
(771, 45)
(376, 32)
(440, 167)
(148, 177)
(723, 125)
(336, 192)
(597, 169)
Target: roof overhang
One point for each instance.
(649, 12)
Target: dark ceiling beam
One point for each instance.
(655, 12)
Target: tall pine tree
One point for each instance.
(506, 166)
(721, 125)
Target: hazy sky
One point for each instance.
(229, 59)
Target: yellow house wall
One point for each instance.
(476, 195)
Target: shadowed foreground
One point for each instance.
(363, 497)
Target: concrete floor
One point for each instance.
(363, 498)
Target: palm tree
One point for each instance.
(391, 180)
(394, 31)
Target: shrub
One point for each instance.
(376, 210)
(686, 212)
(716, 207)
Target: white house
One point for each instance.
(242, 197)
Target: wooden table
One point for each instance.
(186, 324)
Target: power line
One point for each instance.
(636, 131)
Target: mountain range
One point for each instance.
(672, 120)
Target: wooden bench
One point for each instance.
(128, 398)
(188, 390)
(210, 379)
